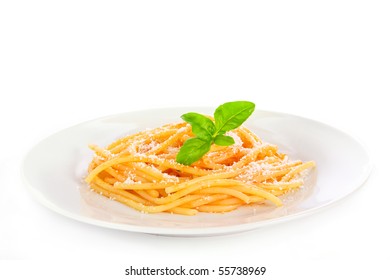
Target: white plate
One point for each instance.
(54, 171)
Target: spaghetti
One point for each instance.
(140, 171)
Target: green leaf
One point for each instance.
(231, 115)
(193, 150)
(202, 126)
(227, 117)
(223, 140)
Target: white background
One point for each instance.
(64, 62)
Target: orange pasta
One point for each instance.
(140, 171)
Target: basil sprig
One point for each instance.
(227, 116)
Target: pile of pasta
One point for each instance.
(140, 171)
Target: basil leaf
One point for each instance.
(231, 115)
(193, 150)
(227, 117)
(202, 126)
(223, 140)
